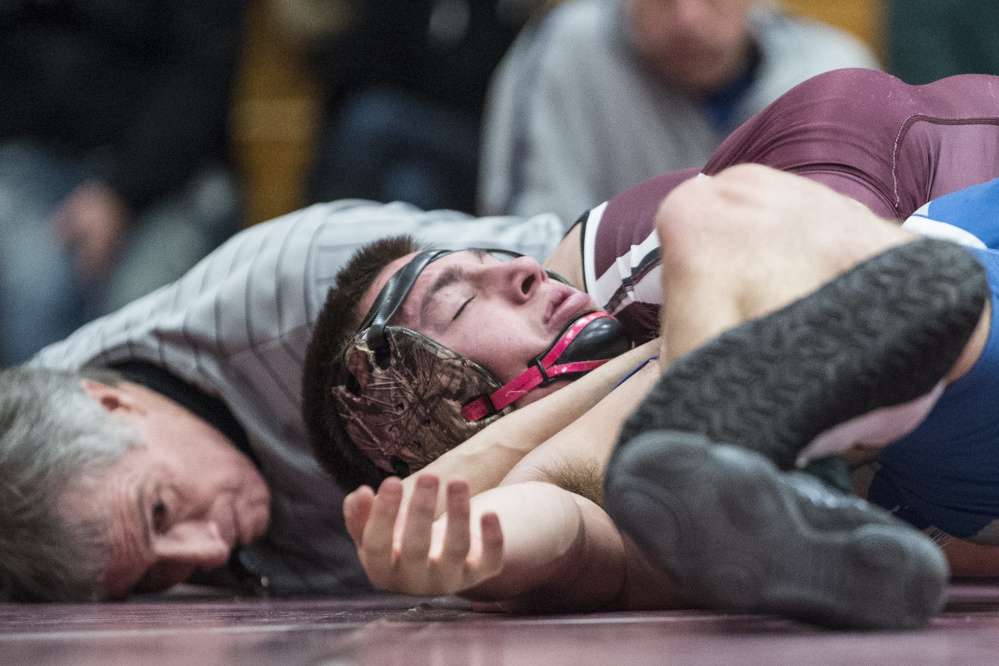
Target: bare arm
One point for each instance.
(566, 555)
(486, 458)
(576, 456)
(524, 547)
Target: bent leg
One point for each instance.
(882, 320)
(942, 477)
(750, 240)
(891, 326)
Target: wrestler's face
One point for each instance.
(180, 502)
(500, 314)
(699, 44)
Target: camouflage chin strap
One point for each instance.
(405, 412)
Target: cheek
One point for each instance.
(728, 23)
(243, 475)
(122, 572)
(500, 345)
(230, 477)
(729, 32)
(257, 492)
(651, 34)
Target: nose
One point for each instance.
(521, 278)
(197, 543)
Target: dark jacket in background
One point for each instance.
(440, 50)
(933, 39)
(142, 88)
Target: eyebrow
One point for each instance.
(449, 276)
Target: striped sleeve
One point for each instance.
(621, 259)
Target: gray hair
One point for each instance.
(53, 438)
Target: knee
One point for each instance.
(717, 226)
(702, 220)
(679, 226)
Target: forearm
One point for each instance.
(486, 458)
(526, 547)
(560, 551)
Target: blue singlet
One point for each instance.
(945, 474)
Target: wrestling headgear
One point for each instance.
(409, 399)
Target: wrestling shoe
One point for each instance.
(881, 334)
(737, 534)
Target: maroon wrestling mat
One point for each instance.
(394, 630)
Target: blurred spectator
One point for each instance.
(933, 39)
(405, 87)
(113, 177)
(602, 94)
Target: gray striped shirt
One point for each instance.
(237, 326)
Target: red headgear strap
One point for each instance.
(543, 371)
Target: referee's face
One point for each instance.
(180, 502)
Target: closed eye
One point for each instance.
(462, 308)
(450, 276)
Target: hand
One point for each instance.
(413, 554)
(93, 220)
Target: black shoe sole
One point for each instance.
(884, 333)
(737, 534)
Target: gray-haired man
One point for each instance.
(192, 452)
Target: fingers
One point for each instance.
(458, 535)
(376, 552)
(451, 567)
(415, 546)
(491, 560)
(465, 562)
(93, 219)
(356, 511)
(427, 557)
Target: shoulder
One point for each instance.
(262, 283)
(624, 227)
(571, 32)
(579, 18)
(794, 50)
(811, 44)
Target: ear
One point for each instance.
(110, 398)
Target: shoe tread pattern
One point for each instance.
(881, 334)
(737, 534)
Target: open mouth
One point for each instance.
(565, 305)
(559, 297)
